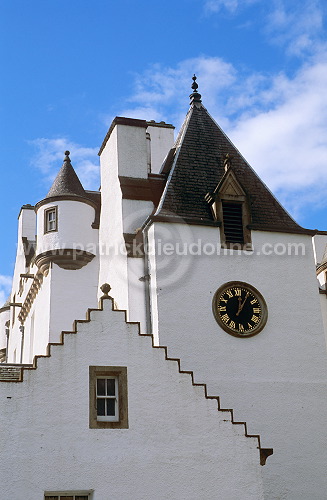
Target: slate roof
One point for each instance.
(67, 183)
(196, 165)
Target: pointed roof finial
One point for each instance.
(67, 183)
(195, 96)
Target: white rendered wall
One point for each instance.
(72, 293)
(26, 229)
(131, 151)
(64, 295)
(75, 230)
(162, 140)
(113, 258)
(135, 212)
(137, 283)
(323, 305)
(4, 317)
(276, 380)
(177, 447)
(319, 245)
(41, 310)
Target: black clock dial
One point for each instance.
(240, 309)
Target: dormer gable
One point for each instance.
(230, 208)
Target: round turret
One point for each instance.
(65, 217)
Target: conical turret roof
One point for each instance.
(196, 165)
(67, 183)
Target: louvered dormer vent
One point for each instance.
(233, 222)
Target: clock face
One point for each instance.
(240, 309)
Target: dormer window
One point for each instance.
(51, 219)
(233, 221)
(230, 207)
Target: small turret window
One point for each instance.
(51, 220)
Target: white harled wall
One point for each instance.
(113, 258)
(161, 139)
(4, 317)
(177, 447)
(276, 381)
(72, 292)
(75, 230)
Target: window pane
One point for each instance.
(101, 387)
(111, 383)
(83, 497)
(100, 407)
(66, 498)
(111, 403)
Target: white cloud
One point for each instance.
(296, 25)
(5, 288)
(160, 92)
(278, 122)
(50, 154)
(292, 24)
(286, 142)
(230, 5)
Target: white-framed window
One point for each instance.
(108, 397)
(67, 495)
(107, 394)
(51, 219)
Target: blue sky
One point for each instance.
(70, 66)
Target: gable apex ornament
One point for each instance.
(228, 161)
(195, 96)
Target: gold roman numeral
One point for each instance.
(225, 318)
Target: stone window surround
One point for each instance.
(108, 371)
(62, 495)
(54, 210)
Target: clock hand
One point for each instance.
(241, 305)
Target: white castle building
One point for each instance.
(166, 334)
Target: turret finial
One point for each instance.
(67, 153)
(195, 96)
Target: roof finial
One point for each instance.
(228, 161)
(67, 153)
(195, 96)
